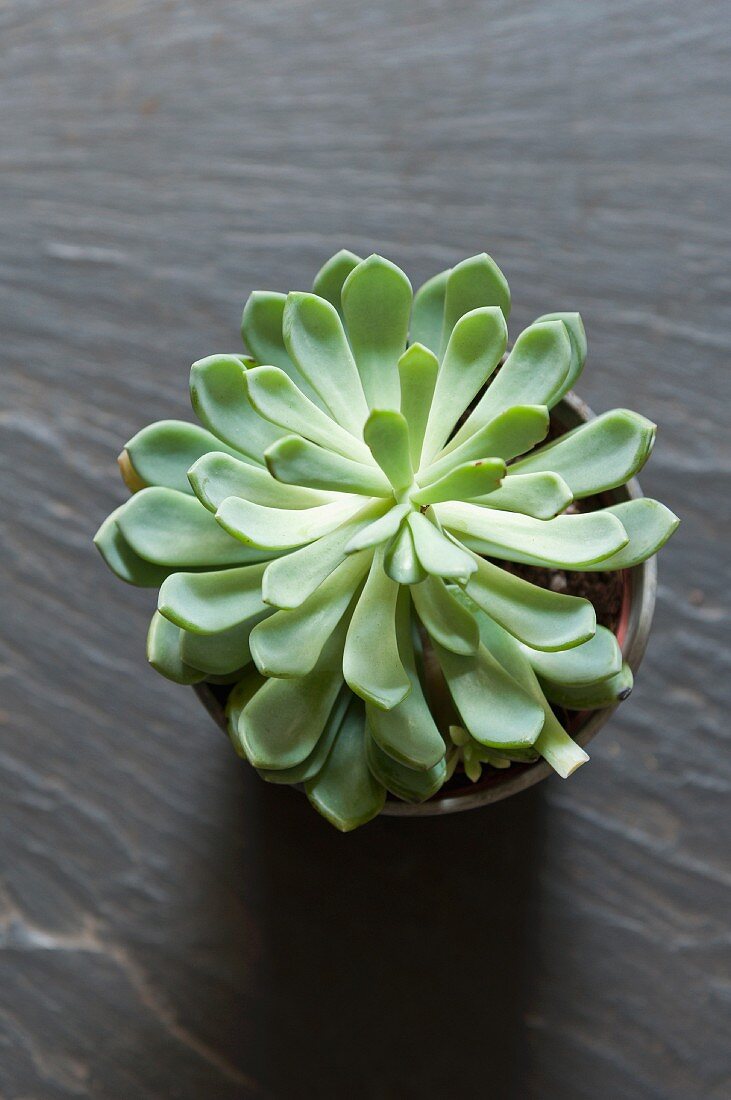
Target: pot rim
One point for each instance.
(642, 589)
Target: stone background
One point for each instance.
(169, 925)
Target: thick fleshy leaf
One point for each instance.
(219, 397)
(163, 652)
(553, 743)
(405, 783)
(595, 660)
(649, 525)
(495, 710)
(400, 560)
(371, 662)
(476, 281)
(171, 528)
(427, 315)
(290, 580)
(444, 617)
(532, 374)
(437, 553)
(312, 765)
(296, 461)
(418, 368)
(219, 654)
(280, 726)
(121, 558)
(376, 299)
(466, 482)
(474, 350)
(607, 693)
(241, 693)
(408, 732)
(329, 280)
(567, 542)
(261, 329)
(541, 618)
(598, 455)
(577, 335)
(276, 397)
(387, 435)
(207, 603)
(162, 453)
(345, 791)
(542, 496)
(289, 643)
(282, 528)
(316, 341)
(216, 476)
(379, 529)
(511, 433)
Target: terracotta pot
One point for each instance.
(638, 605)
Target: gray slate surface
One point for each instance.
(170, 926)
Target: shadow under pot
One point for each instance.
(624, 602)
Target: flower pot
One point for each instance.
(638, 589)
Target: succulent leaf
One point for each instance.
(207, 603)
(163, 652)
(418, 368)
(296, 461)
(405, 783)
(376, 300)
(222, 653)
(605, 693)
(589, 663)
(312, 765)
(371, 662)
(316, 341)
(649, 525)
(329, 280)
(162, 453)
(469, 481)
(476, 281)
(173, 529)
(219, 397)
(437, 553)
(598, 455)
(511, 433)
(444, 617)
(387, 435)
(400, 560)
(122, 559)
(345, 791)
(577, 335)
(542, 496)
(427, 315)
(282, 528)
(216, 476)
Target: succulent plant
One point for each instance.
(331, 531)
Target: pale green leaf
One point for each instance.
(418, 368)
(121, 558)
(405, 783)
(344, 791)
(371, 661)
(541, 618)
(312, 765)
(407, 732)
(291, 579)
(476, 281)
(379, 529)
(220, 400)
(566, 542)
(207, 603)
(475, 348)
(289, 643)
(162, 453)
(437, 553)
(163, 652)
(649, 525)
(511, 433)
(215, 477)
(296, 461)
(171, 528)
(376, 299)
(577, 335)
(400, 560)
(280, 725)
(595, 660)
(444, 617)
(282, 528)
(222, 653)
(531, 375)
(261, 328)
(387, 435)
(607, 693)
(466, 482)
(427, 316)
(598, 455)
(316, 341)
(329, 280)
(275, 397)
(494, 709)
(542, 496)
